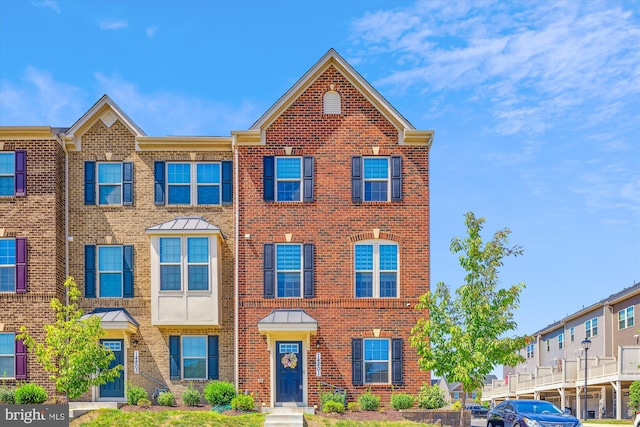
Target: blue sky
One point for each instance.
(535, 106)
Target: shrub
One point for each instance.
(7, 396)
(191, 396)
(331, 397)
(166, 399)
(144, 402)
(333, 406)
(431, 397)
(135, 393)
(457, 405)
(30, 394)
(369, 402)
(402, 401)
(243, 402)
(353, 407)
(219, 392)
(634, 395)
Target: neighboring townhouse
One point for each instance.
(454, 391)
(554, 369)
(32, 245)
(151, 247)
(286, 258)
(333, 246)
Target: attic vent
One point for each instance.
(331, 102)
(108, 118)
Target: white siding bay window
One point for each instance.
(185, 272)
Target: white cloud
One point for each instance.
(112, 24)
(151, 31)
(48, 3)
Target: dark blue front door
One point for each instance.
(116, 387)
(289, 371)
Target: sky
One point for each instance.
(535, 106)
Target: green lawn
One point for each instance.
(174, 418)
(115, 417)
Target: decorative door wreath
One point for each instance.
(289, 360)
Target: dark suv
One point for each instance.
(477, 411)
(529, 413)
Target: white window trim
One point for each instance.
(591, 330)
(10, 175)
(387, 179)
(560, 341)
(11, 266)
(376, 267)
(12, 355)
(183, 358)
(299, 180)
(184, 264)
(626, 317)
(98, 184)
(121, 272)
(365, 361)
(301, 271)
(193, 183)
(572, 332)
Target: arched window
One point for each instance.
(331, 102)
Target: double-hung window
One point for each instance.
(108, 271)
(184, 261)
(288, 270)
(572, 332)
(530, 349)
(193, 183)
(110, 183)
(625, 318)
(591, 327)
(548, 345)
(193, 357)
(13, 265)
(376, 269)
(13, 165)
(376, 361)
(560, 341)
(7, 355)
(110, 265)
(288, 179)
(376, 178)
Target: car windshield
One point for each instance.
(537, 408)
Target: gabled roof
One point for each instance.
(407, 133)
(114, 318)
(183, 224)
(104, 109)
(288, 320)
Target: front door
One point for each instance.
(289, 371)
(114, 388)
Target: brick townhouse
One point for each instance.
(285, 258)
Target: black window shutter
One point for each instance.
(174, 357)
(213, 357)
(20, 187)
(356, 179)
(227, 182)
(356, 362)
(127, 183)
(396, 178)
(21, 360)
(308, 179)
(269, 270)
(158, 179)
(128, 271)
(90, 271)
(268, 178)
(21, 265)
(308, 270)
(89, 183)
(396, 361)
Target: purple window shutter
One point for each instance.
(21, 173)
(21, 360)
(21, 265)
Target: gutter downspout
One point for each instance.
(236, 268)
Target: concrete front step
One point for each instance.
(284, 420)
(79, 408)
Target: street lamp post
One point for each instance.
(586, 343)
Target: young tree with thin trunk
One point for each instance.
(71, 351)
(463, 337)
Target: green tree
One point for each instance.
(634, 395)
(71, 351)
(462, 338)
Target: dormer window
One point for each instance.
(331, 102)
